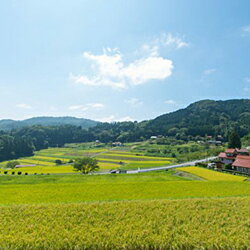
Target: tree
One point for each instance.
(58, 162)
(234, 140)
(86, 165)
(12, 164)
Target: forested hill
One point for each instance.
(205, 117)
(47, 121)
(197, 120)
(202, 118)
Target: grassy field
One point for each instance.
(109, 158)
(159, 224)
(212, 175)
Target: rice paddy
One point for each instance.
(108, 159)
(212, 175)
(158, 224)
(155, 210)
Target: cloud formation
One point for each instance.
(246, 30)
(167, 39)
(170, 102)
(113, 118)
(23, 106)
(110, 70)
(86, 107)
(134, 101)
(209, 71)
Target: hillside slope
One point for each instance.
(205, 117)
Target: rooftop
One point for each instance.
(242, 161)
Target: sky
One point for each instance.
(116, 60)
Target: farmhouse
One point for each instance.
(117, 144)
(238, 158)
(242, 163)
(228, 156)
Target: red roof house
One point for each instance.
(242, 163)
(242, 151)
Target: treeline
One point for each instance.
(23, 142)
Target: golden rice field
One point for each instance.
(211, 175)
(108, 159)
(159, 224)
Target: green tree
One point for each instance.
(58, 162)
(12, 164)
(86, 165)
(234, 140)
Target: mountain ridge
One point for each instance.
(10, 124)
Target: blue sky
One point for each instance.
(120, 60)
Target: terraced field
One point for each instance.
(211, 175)
(109, 158)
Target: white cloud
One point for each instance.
(246, 30)
(170, 102)
(78, 107)
(96, 105)
(134, 101)
(169, 39)
(110, 70)
(113, 118)
(86, 107)
(125, 119)
(246, 89)
(209, 71)
(23, 106)
(247, 79)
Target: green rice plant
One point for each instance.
(110, 190)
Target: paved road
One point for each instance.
(185, 164)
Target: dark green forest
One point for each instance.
(198, 120)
